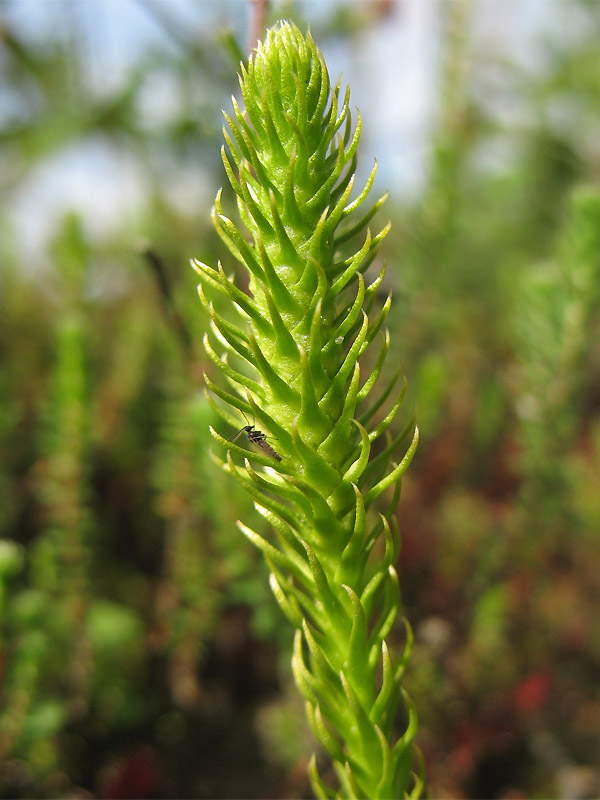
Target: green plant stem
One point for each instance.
(291, 363)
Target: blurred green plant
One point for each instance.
(44, 686)
(292, 361)
(204, 568)
(557, 303)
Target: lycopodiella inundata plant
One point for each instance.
(291, 361)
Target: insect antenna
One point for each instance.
(247, 429)
(238, 434)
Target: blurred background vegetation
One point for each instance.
(141, 653)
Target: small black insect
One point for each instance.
(259, 439)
